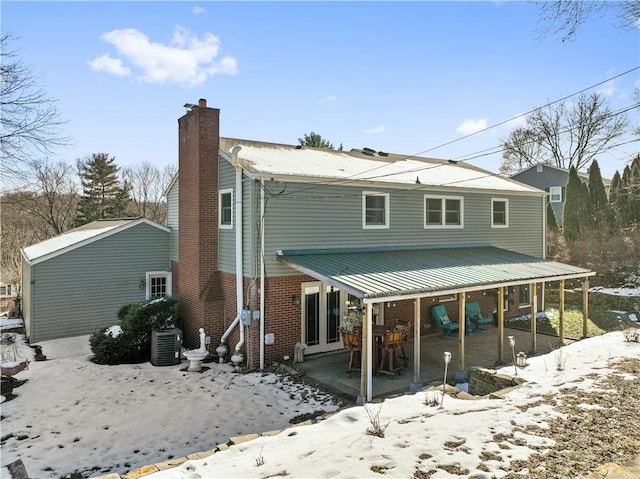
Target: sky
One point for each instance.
(72, 414)
(412, 78)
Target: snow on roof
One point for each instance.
(76, 237)
(340, 167)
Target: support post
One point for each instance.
(417, 382)
(585, 306)
(561, 310)
(501, 324)
(534, 312)
(461, 330)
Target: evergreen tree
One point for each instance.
(614, 196)
(315, 140)
(634, 191)
(601, 216)
(103, 195)
(552, 221)
(624, 197)
(574, 212)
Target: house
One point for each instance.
(273, 245)
(8, 294)
(553, 180)
(75, 283)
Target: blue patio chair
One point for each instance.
(474, 314)
(443, 322)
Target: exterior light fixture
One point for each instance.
(447, 360)
(295, 300)
(512, 343)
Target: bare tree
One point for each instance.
(564, 135)
(29, 119)
(520, 152)
(54, 198)
(565, 17)
(147, 186)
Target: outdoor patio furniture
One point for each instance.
(443, 322)
(474, 315)
(353, 342)
(389, 358)
(404, 327)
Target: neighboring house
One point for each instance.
(75, 283)
(276, 244)
(553, 180)
(8, 293)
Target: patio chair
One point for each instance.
(474, 315)
(443, 322)
(353, 342)
(404, 327)
(389, 358)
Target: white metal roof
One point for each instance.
(80, 236)
(270, 160)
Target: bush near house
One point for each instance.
(131, 342)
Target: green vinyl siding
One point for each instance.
(79, 291)
(331, 217)
(172, 219)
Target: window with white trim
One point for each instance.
(158, 284)
(443, 211)
(555, 194)
(375, 210)
(499, 213)
(5, 290)
(225, 204)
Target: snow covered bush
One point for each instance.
(130, 341)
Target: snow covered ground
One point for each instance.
(73, 415)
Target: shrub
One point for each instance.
(137, 321)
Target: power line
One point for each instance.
(465, 158)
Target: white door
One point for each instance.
(323, 307)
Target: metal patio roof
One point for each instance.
(382, 275)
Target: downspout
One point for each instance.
(238, 357)
(262, 230)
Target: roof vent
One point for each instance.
(383, 153)
(298, 147)
(368, 151)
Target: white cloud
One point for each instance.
(376, 130)
(197, 10)
(468, 127)
(109, 65)
(188, 59)
(326, 99)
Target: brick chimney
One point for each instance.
(198, 281)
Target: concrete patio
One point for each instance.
(481, 349)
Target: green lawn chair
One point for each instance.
(443, 322)
(474, 315)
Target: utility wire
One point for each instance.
(465, 158)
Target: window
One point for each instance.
(225, 216)
(375, 210)
(555, 194)
(499, 213)
(5, 290)
(443, 211)
(158, 284)
(524, 297)
(447, 297)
